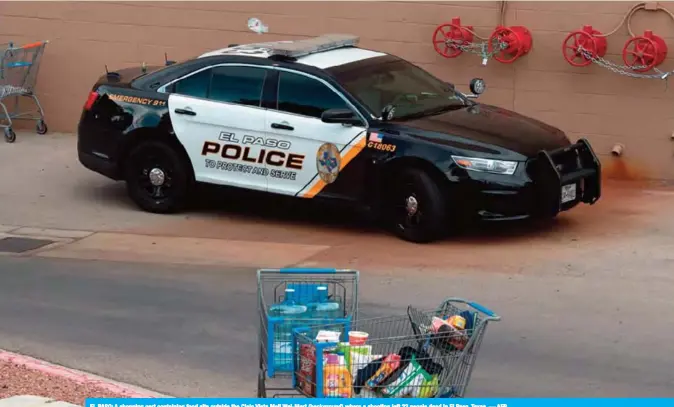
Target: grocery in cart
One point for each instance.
(19, 67)
(420, 354)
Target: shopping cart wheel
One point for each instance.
(41, 127)
(10, 136)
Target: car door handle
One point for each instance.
(185, 111)
(281, 126)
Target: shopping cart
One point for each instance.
(322, 296)
(18, 75)
(422, 354)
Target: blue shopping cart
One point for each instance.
(294, 298)
(19, 67)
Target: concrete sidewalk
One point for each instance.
(33, 401)
(86, 216)
(43, 185)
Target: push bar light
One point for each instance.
(295, 49)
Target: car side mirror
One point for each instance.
(477, 87)
(342, 116)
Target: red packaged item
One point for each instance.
(306, 377)
(454, 337)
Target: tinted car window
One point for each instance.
(300, 94)
(194, 85)
(389, 81)
(237, 84)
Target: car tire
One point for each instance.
(424, 224)
(157, 178)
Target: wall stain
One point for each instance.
(624, 170)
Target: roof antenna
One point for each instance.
(111, 75)
(166, 60)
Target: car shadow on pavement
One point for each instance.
(259, 207)
(252, 207)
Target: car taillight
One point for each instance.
(90, 100)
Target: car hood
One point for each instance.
(492, 125)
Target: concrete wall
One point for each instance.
(590, 102)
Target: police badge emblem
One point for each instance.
(328, 161)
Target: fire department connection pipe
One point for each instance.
(627, 18)
(502, 13)
(618, 150)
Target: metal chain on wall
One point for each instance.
(624, 69)
(479, 48)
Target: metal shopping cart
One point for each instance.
(423, 354)
(294, 298)
(18, 75)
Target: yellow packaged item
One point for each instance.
(336, 378)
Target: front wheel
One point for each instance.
(41, 127)
(158, 180)
(415, 207)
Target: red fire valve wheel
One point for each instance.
(643, 53)
(579, 47)
(448, 38)
(516, 40)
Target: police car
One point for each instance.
(322, 118)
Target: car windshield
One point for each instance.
(389, 83)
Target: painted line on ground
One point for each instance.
(78, 376)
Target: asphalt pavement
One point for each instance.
(191, 331)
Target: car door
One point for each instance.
(316, 152)
(215, 113)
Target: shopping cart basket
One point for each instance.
(18, 75)
(422, 354)
(298, 297)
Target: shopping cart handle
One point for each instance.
(307, 271)
(479, 307)
(482, 309)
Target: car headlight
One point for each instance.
(486, 165)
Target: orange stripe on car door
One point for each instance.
(350, 155)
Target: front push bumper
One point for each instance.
(575, 168)
(536, 190)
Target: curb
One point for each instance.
(28, 400)
(78, 376)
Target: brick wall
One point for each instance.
(591, 102)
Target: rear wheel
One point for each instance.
(10, 136)
(157, 178)
(415, 207)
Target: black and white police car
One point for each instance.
(323, 118)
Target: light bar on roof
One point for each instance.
(295, 49)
